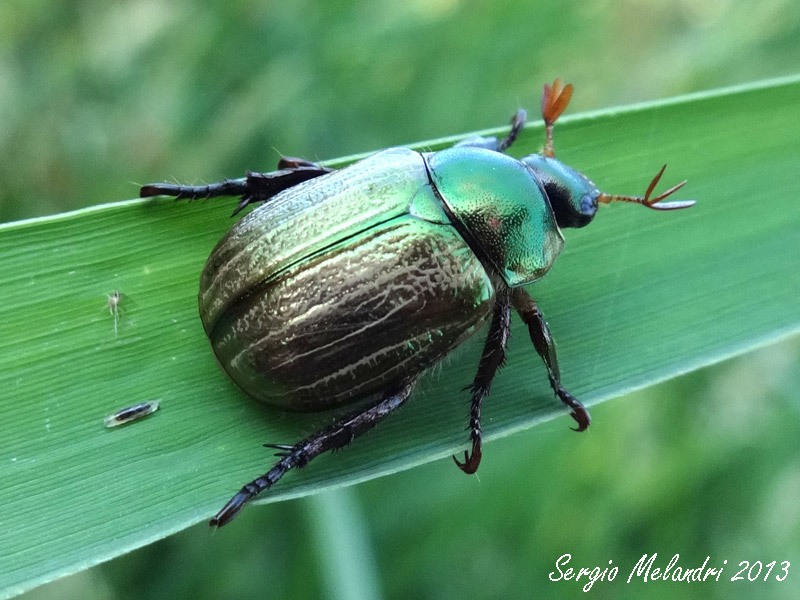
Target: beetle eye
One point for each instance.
(589, 204)
(570, 211)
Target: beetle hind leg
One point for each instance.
(260, 187)
(335, 436)
(229, 187)
(256, 187)
(546, 348)
(492, 358)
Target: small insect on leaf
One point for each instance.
(114, 300)
(131, 413)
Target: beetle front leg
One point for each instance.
(336, 436)
(546, 348)
(492, 143)
(492, 358)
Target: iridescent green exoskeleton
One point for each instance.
(344, 286)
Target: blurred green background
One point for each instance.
(97, 97)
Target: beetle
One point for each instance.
(345, 285)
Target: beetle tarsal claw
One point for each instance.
(230, 510)
(242, 205)
(471, 461)
(582, 418)
(284, 450)
(279, 446)
(459, 464)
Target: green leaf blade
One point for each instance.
(636, 298)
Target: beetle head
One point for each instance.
(575, 199)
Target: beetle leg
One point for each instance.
(492, 358)
(291, 162)
(492, 143)
(546, 348)
(256, 187)
(517, 121)
(229, 187)
(335, 436)
(263, 186)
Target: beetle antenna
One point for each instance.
(554, 100)
(646, 200)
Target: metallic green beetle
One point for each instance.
(346, 285)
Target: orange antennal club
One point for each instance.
(554, 100)
(646, 200)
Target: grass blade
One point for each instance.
(636, 298)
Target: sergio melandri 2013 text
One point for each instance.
(646, 570)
